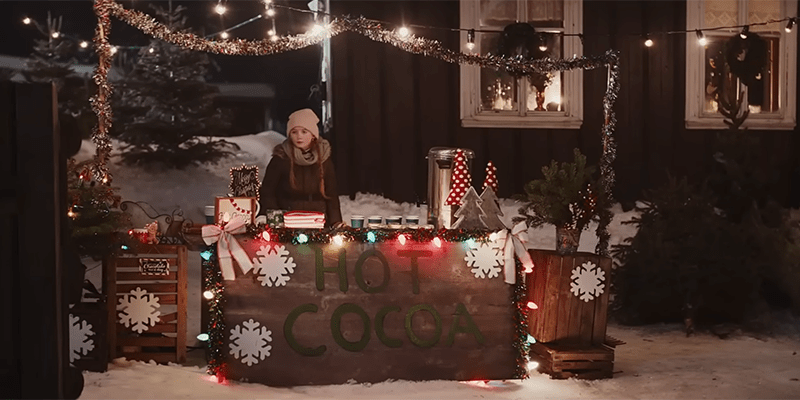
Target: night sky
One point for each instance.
(292, 73)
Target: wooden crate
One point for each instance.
(138, 268)
(560, 315)
(573, 361)
(93, 315)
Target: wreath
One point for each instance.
(521, 40)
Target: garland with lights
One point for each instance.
(370, 29)
(521, 340)
(212, 283)
(367, 235)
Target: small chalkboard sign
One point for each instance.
(244, 181)
(154, 266)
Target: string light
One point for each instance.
(316, 29)
(208, 295)
(26, 21)
(203, 337)
(371, 237)
(648, 42)
(437, 242)
(701, 39)
(790, 25)
(471, 39)
(542, 43)
(84, 44)
(224, 35)
(55, 35)
(220, 9)
(403, 32)
(151, 50)
(302, 238)
(270, 11)
(338, 240)
(745, 31)
(113, 50)
(265, 235)
(401, 239)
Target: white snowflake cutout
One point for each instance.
(79, 343)
(587, 281)
(139, 309)
(250, 342)
(273, 266)
(484, 259)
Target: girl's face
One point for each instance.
(301, 137)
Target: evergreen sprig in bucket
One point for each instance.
(566, 197)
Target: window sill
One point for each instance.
(750, 123)
(554, 122)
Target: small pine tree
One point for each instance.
(97, 224)
(470, 215)
(164, 107)
(562, 197)
(52, 61)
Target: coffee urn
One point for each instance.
(440, 170)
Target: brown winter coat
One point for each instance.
(277, 193)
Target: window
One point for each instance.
(492, 98)
(771, 100)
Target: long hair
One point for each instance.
(315, 148)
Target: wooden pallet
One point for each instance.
(166, 340)
(573, 361)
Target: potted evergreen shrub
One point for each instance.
(567, 197)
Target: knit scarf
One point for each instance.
(308, 157)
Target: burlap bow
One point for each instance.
(228, 249)
(516, 245)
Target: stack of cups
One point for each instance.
(412, 221)
(394, 221)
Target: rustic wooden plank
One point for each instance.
(136, 276)
(163, 299)
(536, 285)
(110, 287)
(157, 328)
(586, 307)
(125, 288)
(564, 322)
(554, 279)
(182, 300)
(573, 365)
(600, 317)
(164, 341)
(161, 358)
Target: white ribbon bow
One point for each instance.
(227, 246)
(516, 245)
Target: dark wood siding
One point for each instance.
(391, 107)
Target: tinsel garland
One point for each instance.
(212, 281)
(367, 235)
(370, 29)
(101, 100)
(518, 300)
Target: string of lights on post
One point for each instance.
(270, 12)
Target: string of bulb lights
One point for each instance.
(270, 11)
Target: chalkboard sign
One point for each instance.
(154, 266)
(244, 181)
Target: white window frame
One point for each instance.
(570, 118)
(696, 118)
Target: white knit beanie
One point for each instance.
(305, 118)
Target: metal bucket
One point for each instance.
(440, 169)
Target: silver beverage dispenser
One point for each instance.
(440, 169)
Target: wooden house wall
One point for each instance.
(390, 107)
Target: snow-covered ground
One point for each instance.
(657, 361)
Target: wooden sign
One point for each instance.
(154, 266)
(322, 314)
(235, 207)
(244, 181)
